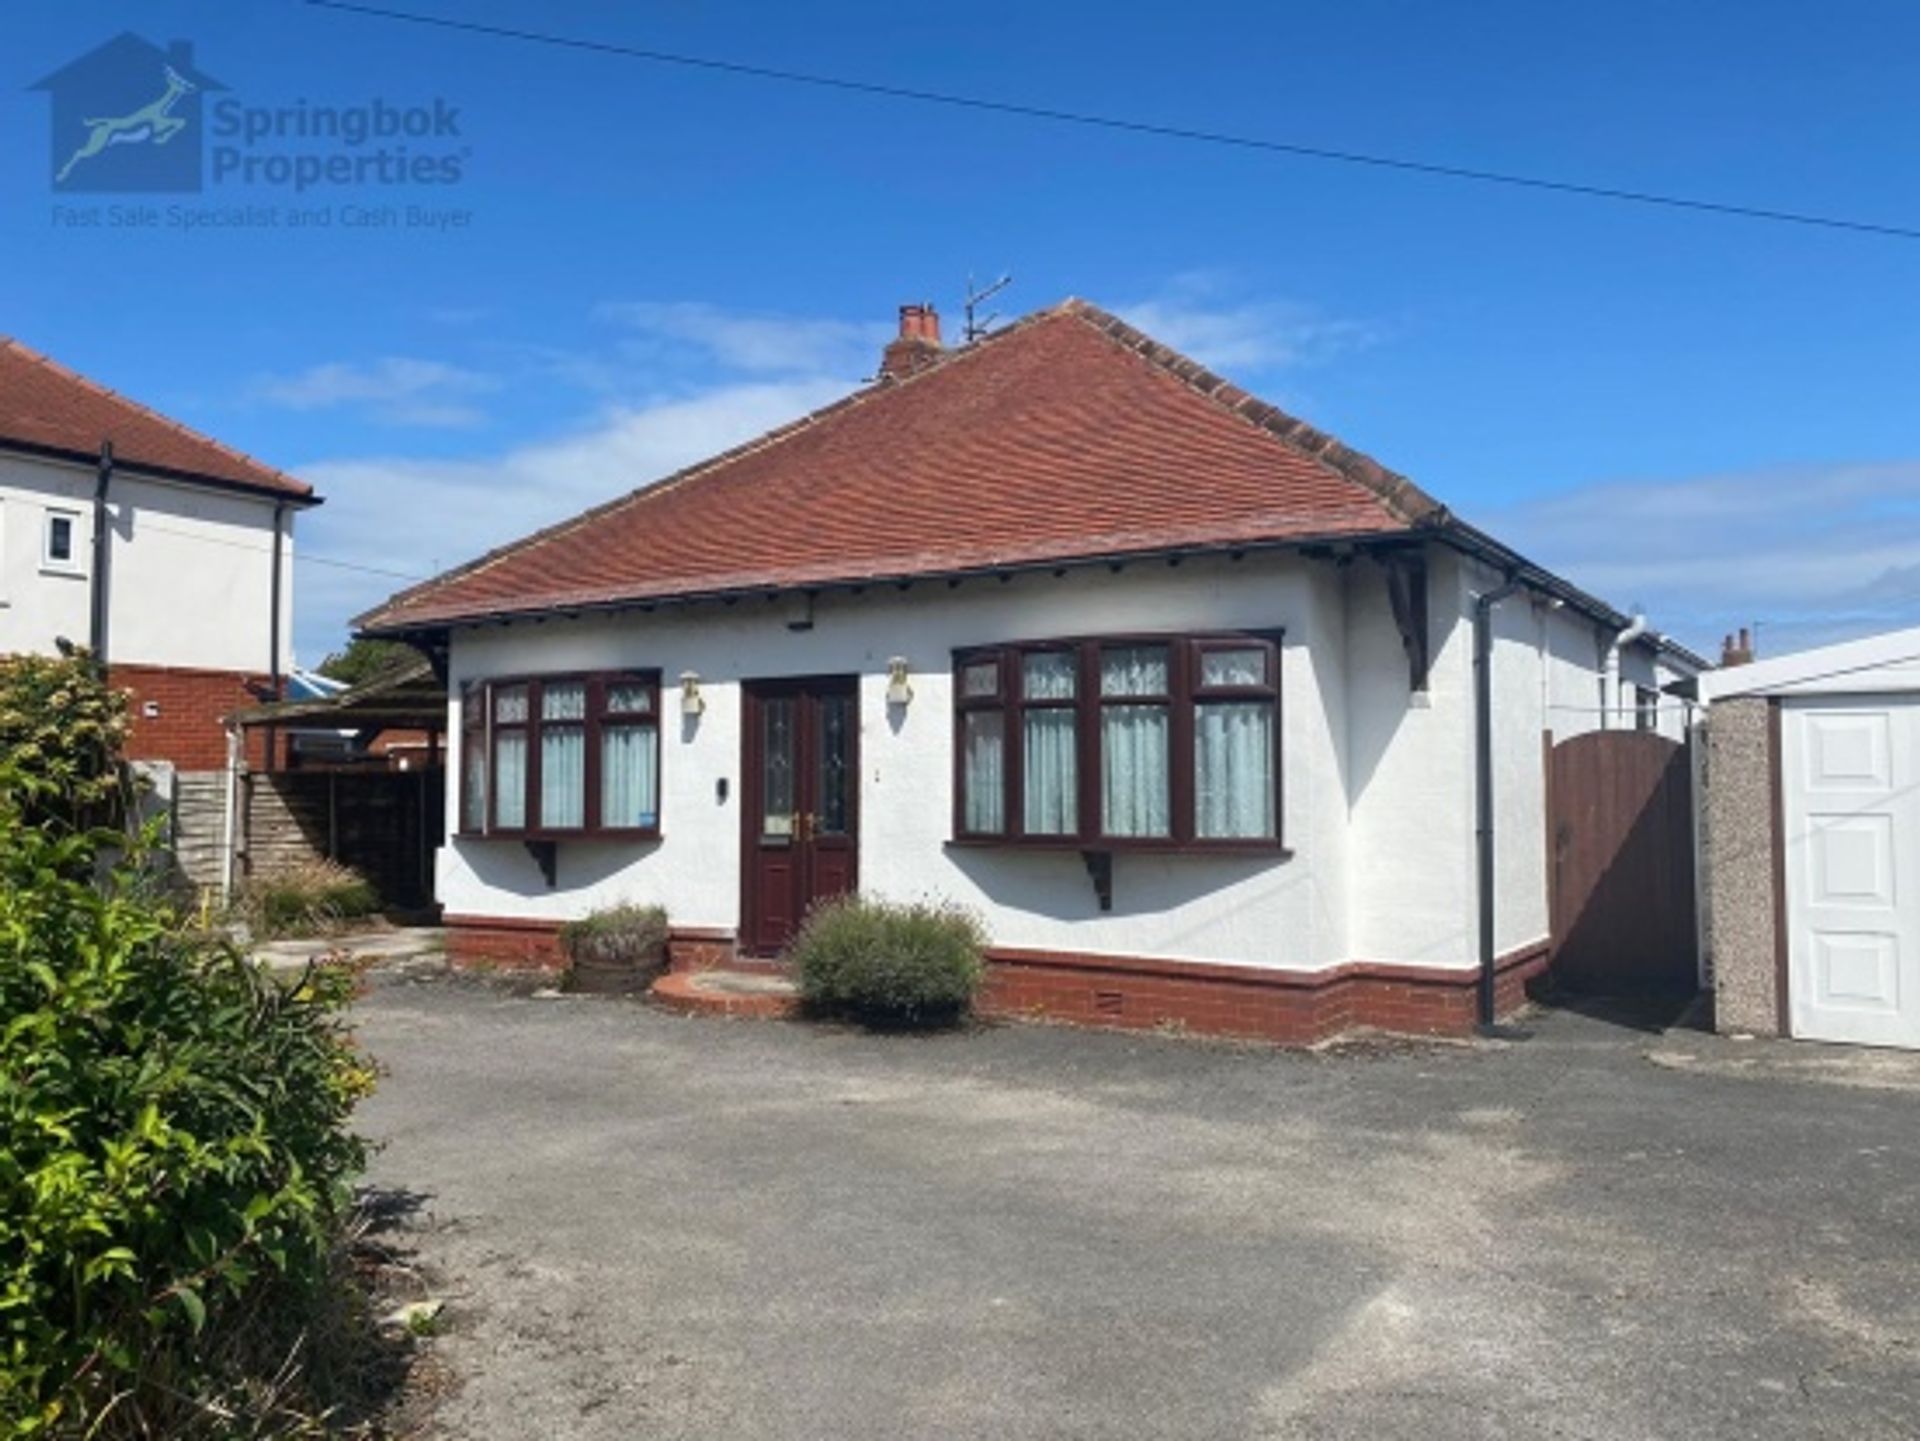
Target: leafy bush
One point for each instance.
(61, 724)
(175, 1156)
(886, 962)
(309, 899)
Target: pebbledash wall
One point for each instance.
(1370, 920)
(189, 592)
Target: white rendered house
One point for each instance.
(1174, 691)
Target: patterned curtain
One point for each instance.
(1233, 770)
(629, 787)
(984, 802)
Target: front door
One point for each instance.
(800, 781)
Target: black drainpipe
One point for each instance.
(1483, 781)
(273, 641)
(97, 620)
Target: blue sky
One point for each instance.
(1713, 418)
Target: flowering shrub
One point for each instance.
(61, 724)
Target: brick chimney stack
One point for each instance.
(918, 344)
(1737, 650)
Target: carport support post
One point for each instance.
(1483, 782)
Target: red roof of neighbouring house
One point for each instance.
(48, 408)
(1068, 436)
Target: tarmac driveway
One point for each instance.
(661, 1227)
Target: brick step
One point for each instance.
(753, 995)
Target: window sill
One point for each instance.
(71, 572)
(616, 837)
(1123, 845)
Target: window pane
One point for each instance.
(510, 777)
(1134, 792)
(563, 701)
(60, 538)
(1233, 667)
(625, 699)
(980, 678)
(1048, 675)
(563, 777)
(509, 704)
(474, 767)
(834, 777)
(776, 767)
(983, 772)
(1233, 770)
(1133, 670)
(1049, 799)
(629, 785)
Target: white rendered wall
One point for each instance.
(1262, 910)
(189, 575)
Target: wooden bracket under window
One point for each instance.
(546, 855)
(1100, 868)
(1407, 595)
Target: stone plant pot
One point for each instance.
(616, 964)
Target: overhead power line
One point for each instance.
(1135, 127)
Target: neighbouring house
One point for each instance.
(1175, 691)
(1810, 837)
(167, 553)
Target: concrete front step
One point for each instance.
(751, 994)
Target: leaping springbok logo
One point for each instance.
(153, 123)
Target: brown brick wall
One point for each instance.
(1292, 1008)
(484, 943)
(191, 703)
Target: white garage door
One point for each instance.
(1851, 794)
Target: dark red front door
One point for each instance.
(800, 781)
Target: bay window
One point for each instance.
(557, 756)
(1153, 742)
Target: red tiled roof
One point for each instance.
(45, 406)
(1068, 436)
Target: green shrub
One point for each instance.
(175, 1159)
(63, 726)
(305, 900)
(891, 963)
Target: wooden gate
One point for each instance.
(1620, 823)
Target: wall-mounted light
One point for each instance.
(899, 692)
(691, 701)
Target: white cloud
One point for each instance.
(1814, 553)
(744, 341)
(419, 517)
(1196, 315)
(398, 389)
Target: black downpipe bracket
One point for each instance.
(97, 599)
(1483, 785)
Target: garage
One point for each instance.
(1810, 843)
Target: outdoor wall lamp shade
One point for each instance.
(899, 692)
(691, 701)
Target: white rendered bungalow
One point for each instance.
(1174, 691)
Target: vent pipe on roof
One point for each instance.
(917, 345)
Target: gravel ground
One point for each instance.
(664, 1227)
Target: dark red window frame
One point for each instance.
(478, 726)
(1185, 694)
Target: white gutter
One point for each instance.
(1615, 704)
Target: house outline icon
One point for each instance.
(127, 119)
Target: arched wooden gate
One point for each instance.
(1620, 817)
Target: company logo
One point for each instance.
(127, 118)
(132, 117)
